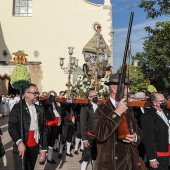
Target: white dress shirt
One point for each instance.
(56, 113)
(34, 121)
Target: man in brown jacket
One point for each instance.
(115, 154)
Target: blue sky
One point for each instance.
(121, 15)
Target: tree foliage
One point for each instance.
(155, 60)
(155, 8)
(137, 79)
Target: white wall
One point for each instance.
(54, 25)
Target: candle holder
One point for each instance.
(69, 69)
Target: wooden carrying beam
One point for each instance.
(85, 101)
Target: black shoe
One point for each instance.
(52, 161)
(76, 152)
(42, 163)
(59, 155)
(70, 155)
(72, 147)
(81, 150)
(55, 150)
(80, 161)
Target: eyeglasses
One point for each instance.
(34, 93)
(93, 96)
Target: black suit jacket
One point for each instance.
(48, 107)
(87, 120)
(138, 113)
(14, 124)
(155, 133)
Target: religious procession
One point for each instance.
(78, 113)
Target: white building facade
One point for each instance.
(44, 30)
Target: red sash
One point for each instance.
(54, 122)
(164, 153)
(31, 140)
(72, 117)
(78, 119)
(91, 134)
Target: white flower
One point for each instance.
(101, 91)
(84, 90)
(81, 83)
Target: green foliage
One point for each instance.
(155, 8)
(137, 79)
(20, 77)
(155, 60)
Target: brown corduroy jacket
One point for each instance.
(113, 154)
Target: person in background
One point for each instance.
(156, 132)
(3, 160)
(78, 138)
(12, 102)
(67, 129)
(34, 130)
(130, 97)
(87, 130)
(58, 137)
(3, 106)
(53, 114)
(44, 94)
(61, 94)
(138, 112)
(17, 98)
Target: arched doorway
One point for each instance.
(11, 90)
(5, 86)
(4, 80)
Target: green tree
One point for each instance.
(155, 60)
(137, 79)
(155, 8)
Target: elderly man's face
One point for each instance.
(32, 93)
(114, 89)
(142, 97)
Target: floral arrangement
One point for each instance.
(82, 85)
(103, 89)
(20, 77)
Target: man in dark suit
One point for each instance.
(34, 130)
(87, 130)
(138, 112)
(68, 126)
(54, 114)
(155, 127)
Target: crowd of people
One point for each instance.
(7, 102)
(93, 129)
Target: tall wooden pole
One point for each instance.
(21, 117)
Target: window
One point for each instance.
(22, 8)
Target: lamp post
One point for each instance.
(73, 63)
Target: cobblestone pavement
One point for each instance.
(66, 163)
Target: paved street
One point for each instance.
(66, 163)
